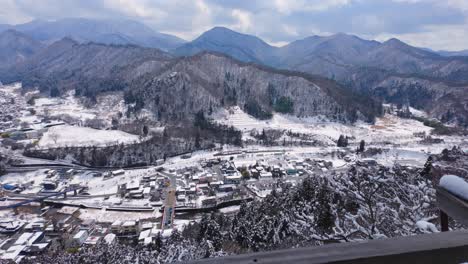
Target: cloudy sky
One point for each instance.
(437, 24)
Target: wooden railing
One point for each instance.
(445, 247)
(451, 205)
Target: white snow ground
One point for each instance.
(72, 136)
(388, 128)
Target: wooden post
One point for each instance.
(443, 221)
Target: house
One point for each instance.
(118, 172)
(129, 227)
(277, 172)
(70, 172)
(216, 184)
(110, 239)
(116, 227)
(146, 191)
(133, 185)
(367, 162)
(195, 178)
(10, 227)
(88, 224)
(80, 237)
(266, 175)
(35, 249)
(235, 179)
(291, 171)
(206, 178)
(92, 240)
(49, 185)
(136, 194)
(181, 198)
(209, 201)
(35, 226)
(203, 186)
(30, 242)
(146, 226)
(13, 254)
(227, 188)
(10, 186)
(144, 235)
(190, 190)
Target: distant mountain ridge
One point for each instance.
(453, 53)
(237, 45)
(310, 54)
(174, 89)
(392, 71)
(101, 31)
(385, 70)
(16, 47)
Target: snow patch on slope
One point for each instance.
(388, 128)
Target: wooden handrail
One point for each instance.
(451, 205)
(445, 247)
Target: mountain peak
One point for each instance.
(107, 31)
(222, 29)
(12, 33)
(394, 42)
(241, 46)
(219, 30)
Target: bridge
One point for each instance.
(167, 221)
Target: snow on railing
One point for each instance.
(455, 185)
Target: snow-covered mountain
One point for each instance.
(16, 47)
(240, 46)
(101, 31)
(364, 65)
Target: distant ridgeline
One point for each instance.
(174, 88)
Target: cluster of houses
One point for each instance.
(209, 186)
(24, 239)
(220, 180)
(148, 187)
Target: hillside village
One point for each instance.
(60, 203)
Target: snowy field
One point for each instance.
(71, 107)
(67, 108)
(72, 136)
(103, 216)
(388, 128)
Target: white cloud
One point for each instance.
(11, 13)
(371, 23)
(244, 20)
(437, 37)
(437, 24)
(290, 6)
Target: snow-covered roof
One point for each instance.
(81, 234)
(144, 234)
(92, 240)
(13, 252)
(24, 238)
(109, 238)
(117, 223)
(129, 223)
